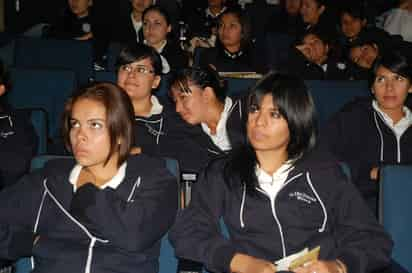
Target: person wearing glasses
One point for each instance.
(104, 210)
(277, 197)
(158, 129)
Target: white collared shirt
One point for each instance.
(165, 63)
(112, 183)
(209, 13)
(401, 126)
(137, 26)
(221, 138)
(157, 108)
(272, 184)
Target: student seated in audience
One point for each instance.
(398, 21)
(159, 131)
(203, 23)
(316, 13)
(315, 58)
(354, 25)
(103, 211)
(277, 198)
(130, 26)
(234, 51)
(18, 140)
(368, 133)
(78, 22)
(200, 99)
(287, 20)
(157, 33)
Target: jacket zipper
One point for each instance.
(273, 207)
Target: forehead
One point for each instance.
(348, 17)
(311, 37)
(383, 71)
(154, 15)
(86, 108)
(230, 18)
(312, 3)
(143, 62)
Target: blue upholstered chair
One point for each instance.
(395, 210)
(72, 55)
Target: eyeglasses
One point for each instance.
(138, 69)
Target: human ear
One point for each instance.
(2, 89)
(156, 82)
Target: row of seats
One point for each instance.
(48, 89)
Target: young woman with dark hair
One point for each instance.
(370, 132)
(18, 140)
(317, 13)
(316, 58)
(234, 50)
(201, 101)
(158, 129)
(276, 197)
(158, 33)
(103, 211)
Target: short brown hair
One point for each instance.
(119, 116)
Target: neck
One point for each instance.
(233, 49)
(137, 16)
(396, 114)
(142, 107)
(271, 161)
(215, 9)
(158, 45)
(214, 113)
(101, 174)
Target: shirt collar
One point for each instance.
(223, 117)
(280, 175)
(406, 118)
(157, 108)
(209, 13)
(112, 183)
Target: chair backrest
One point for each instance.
(330, 96)
(105, 76)
(395, 210)
(167, 258)
(39, 119)
(7, 53)
(42, 88)
(239, 87)
(60, 54)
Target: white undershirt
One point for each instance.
(272, 184)
(221, 138)
(401, 126)
(112, 183)
(137, 26)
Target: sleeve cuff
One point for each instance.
(223, 257)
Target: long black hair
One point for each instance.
(296, 106)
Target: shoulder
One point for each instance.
(146, 165)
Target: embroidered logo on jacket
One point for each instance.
(301, 196)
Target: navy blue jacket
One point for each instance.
(358, 136)
(92, 230)
(18, 144)
(315, 206)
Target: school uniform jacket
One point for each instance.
(18, 144)
(202, 147)
(359, 136)
(298, 65)
(91, 230)
(316, 206)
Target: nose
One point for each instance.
(81, 135)
(389, 85)
(260, 119)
